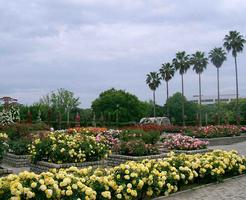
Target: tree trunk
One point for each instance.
(237, 99)
(68, 120)
(183, 112)
(154, 101)
(167, 98)
(218, 88)
(200, 101)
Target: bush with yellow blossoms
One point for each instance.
(3, 144)
(58, 147)
(133, 180)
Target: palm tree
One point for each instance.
(199, 62)
(217, 57)
(153, 80)
(182, 63)
(235, 42)
(167, 72)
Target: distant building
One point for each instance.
(206, 100)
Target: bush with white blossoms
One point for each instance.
(3, 144)
(132, 180)
(58, 147)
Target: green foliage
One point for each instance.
(110, 102)
(19, 147)
(137, 148)
(150, 137)
(175, 109)
(17, 130)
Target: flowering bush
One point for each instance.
(87, 130)
(137, 148)
(156, 127)
(132, 180)
(3, 144)
(59, 148)
(215, 131)
(181, 142)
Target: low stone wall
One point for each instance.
(225, 140)
(42, 166)
(115, 159)
(17, 160)
(191, 151)
(5, 172)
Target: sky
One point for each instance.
(89, 46)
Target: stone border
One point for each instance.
(5, 172)
(197, 187)
(17, 160)
(190, 151)
(224, 140)
(43, 166)
(116, 159)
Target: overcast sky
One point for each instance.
(88, 46)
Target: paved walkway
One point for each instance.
(233, 189)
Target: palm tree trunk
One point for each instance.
(200, 101)
(183, 112)
(167, 98)
(154, 101)
(218, 88)
(237, 99)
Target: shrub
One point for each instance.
(19, 147)
(137, 148)
(181, 142)
(156, 127)
(215, 131)
(3, 144)
(150, 137)
(59, 147)
(18, 130)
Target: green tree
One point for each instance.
(167, 72)
(199, 62)
(217, 57)
(175, 103)
(234, 42)
(110, 102)
(62, 101)
(153, 80)
(182, 64)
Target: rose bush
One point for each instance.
(132, 180)
(182, 142)
(59, 147)
(3, 144)
(215, 131)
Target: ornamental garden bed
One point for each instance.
(17, 160)
(189, 151)
(116, 159)
(42, 166)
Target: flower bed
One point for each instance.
(181, 142)
(215, 131)
(59, 147)
(132, 180)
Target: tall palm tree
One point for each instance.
(167, 72)
(199, 62)
(217, 57)
(153, 80)
(182, 63)
(234, 42)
